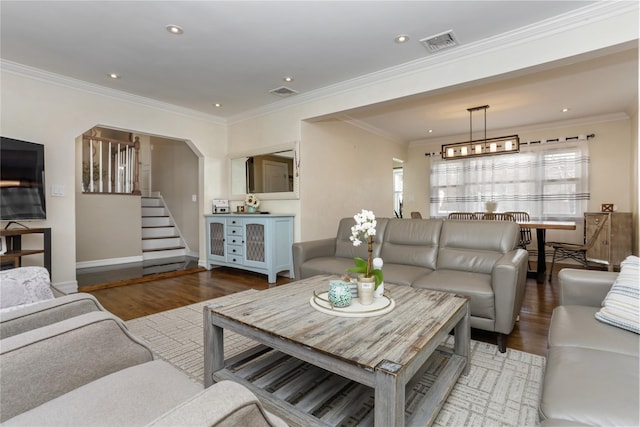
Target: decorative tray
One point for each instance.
(380, 306)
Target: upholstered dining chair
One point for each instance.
(462, 215)
(525, 233)
(416, 215)
(498, 217)
(574, 251)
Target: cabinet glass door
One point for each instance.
(216, 235)
(255, 243)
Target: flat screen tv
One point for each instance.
(22, 189)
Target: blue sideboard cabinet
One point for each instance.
(254, 242)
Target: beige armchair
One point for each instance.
(89, 370)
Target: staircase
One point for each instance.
(160, 237)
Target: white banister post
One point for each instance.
(100, 177)
(109, 187)
(91, 165)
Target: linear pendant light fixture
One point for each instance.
(480, 147)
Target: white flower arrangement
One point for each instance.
(364, 230)
(365, 227)
(251, 200)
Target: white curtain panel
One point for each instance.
(550, 181)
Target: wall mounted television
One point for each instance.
(22, 186)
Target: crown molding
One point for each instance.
(562, 23)
(372, 129)
(68, 82)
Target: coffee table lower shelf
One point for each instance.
(306, 395)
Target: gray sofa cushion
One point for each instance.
(132, 396)
(401, 274)
(475, 246)
(474, 285)
(326, 265)
(576, 326)
(411, 243)
(578, 387)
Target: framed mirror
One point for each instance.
(271, 173)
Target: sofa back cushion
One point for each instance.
(344, 246)
(475, 246)
(412, 242)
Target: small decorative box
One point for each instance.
(607, 207)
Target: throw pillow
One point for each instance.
(621, 306)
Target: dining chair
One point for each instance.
(416, 215)
(462, 215)
(498, 217)
(575, 251)
(525, 233)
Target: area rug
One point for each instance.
(502, 389)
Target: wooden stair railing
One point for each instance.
(122, 172)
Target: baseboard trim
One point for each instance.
(70, 287)
(109, 261)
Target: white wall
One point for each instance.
(46, 110)
(345, 170)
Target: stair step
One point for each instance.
(154, 211)
(156, 254)
(163, 249)
(160, 221)
(160, 243)
(151, 202)
(159, 231)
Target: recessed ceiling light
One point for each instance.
(401, 38)
(217, 105)
(287, 79)
(174, 29)
(430, 131)
(564, 110)
(114, 75)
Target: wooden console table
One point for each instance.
(14, 246)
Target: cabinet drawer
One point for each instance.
(235, 259)
(235, 240)
(234, 222)
(234, 250)
(234, 231)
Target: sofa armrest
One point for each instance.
(225, 403)
(509, 277)
(584, 287)
(44, 313)
(303, 251)
(44, 363)
(24, 285)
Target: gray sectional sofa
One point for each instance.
(592, 373)
(479, 259)
(67, 361)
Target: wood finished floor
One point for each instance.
(153, 296)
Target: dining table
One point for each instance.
(541, 228)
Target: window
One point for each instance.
(397, 191)
(549, 182)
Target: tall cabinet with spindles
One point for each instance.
(613, 244)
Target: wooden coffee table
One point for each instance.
(310, 362)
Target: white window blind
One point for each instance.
(548, 181)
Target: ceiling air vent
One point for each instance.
(283, 91)
(440, 41)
